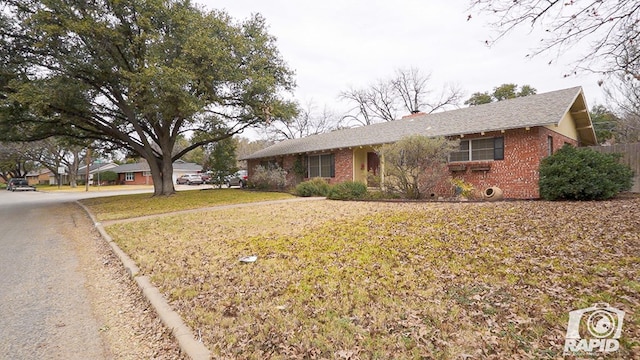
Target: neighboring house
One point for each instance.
(501, 143)
(47, 177)
(93, 170)
(140, 173)
(38, 177)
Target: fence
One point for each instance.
(630, 156)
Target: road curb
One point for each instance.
(171, 319)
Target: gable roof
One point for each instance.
(528, 111)
(106, 166)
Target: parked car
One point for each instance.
(190, 179)
(238, 179)
(19, 184)
(206, 178)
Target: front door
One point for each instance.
(373, 169)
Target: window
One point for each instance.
(549, 145)
(146, 173)
(128, 176)
(269, 164)
(321, 165)
(479, 149)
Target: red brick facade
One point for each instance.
(516, 175)
(139, 178)
(343, 165)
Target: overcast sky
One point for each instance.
(334, 45)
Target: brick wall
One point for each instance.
(138, 179)
(517, 175)
(343, 165)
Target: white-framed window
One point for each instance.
(321, 165)
(129, 176)
(479, 150)
(146, 173)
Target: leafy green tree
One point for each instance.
(479, 98)
(604, 123)
(196, 155)
(136, 74)
(14, 161)
(502, 92)
(583, 174)
(505, 91)
(105, 176)
(222, 160)
(415, 165)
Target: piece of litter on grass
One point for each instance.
(248, 259)
(281, 307)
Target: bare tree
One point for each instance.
(610, 28)
(407, 92)
(625, 94)
(246, 147)
(383, 100)
(360, 113)
(308, 122)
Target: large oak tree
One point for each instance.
(136, 75)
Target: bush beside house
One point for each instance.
(269, 177)
(416, 164)
(313, 187)
(583, 174)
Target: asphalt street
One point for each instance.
(45, 312)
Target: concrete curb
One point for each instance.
(171, 319)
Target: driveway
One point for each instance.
(59, 295)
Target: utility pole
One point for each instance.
(88, 162)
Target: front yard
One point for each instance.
(360, 280)
(130, 206)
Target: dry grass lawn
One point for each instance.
(359, 280)
(130, 206)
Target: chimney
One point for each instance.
(414, 114)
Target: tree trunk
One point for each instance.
(73, 170)
(162, 175)
(167, 176)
